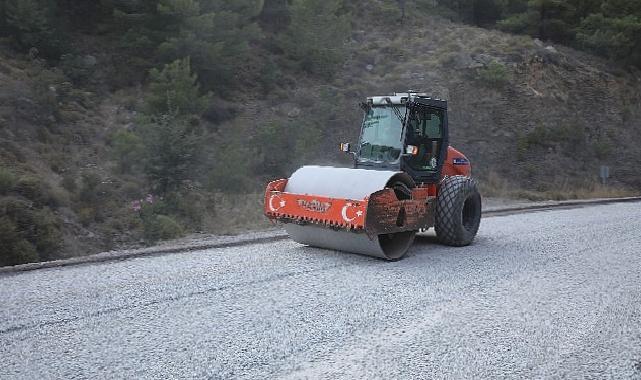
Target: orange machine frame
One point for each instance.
(380, 212)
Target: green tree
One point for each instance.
(618, 38)
(487, 12)
(316, 35)
(545, 19)
(140, 32)
(29, 23)
(215, 34)
(167, 138)
(172, 145)
(174, 89)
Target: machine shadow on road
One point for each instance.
(337, 257)
(426, 244)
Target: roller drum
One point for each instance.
(352, 184)
(389, 246)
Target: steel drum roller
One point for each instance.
(353, 184)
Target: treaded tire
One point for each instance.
(458, 211)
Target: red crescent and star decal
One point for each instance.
(280, 203)
(350, 212)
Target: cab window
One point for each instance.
(425, 132)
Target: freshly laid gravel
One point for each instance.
(554, 294)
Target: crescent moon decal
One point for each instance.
(344, 213)
(281, 203)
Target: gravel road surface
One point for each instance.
(553, 294)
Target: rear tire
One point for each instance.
(458, 211)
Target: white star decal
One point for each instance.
(282, 204)
(359, 213)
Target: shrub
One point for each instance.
(14, 249)
(89, 187)
(127, 149)
(7, 180)
(231, 170)
(69, 183)
(189, 207)
(270, 76)
(540, 136)
(45, 87)
(571, 136)
(80, 69)
(31, 188)
(274, 144)
(494, 75)
(161, 227)
(47, 236)
(86, 216)
(602, 150)
(39, 228)
(518, 23)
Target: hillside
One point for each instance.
(536, 120)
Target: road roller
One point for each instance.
(405, 179)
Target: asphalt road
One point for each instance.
(554, 294)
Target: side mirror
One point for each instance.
(410, 150)
(345, 148)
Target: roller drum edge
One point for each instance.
(389, 247)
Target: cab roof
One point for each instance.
(403, 97)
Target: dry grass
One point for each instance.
(496, 186)
(236, 213)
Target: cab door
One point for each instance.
(426, 128)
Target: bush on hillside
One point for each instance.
(14, 249)
(156, 225)
(24, 225)
(127, 149)
(7, 180)
(494, 75)
(161, 227)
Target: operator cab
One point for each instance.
(405, 132)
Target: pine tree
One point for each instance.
(169, 133)
(618, 38)
(215, 34)
(316, 36)
(545, 19)
(174, 89)
(171, 147)
(29, 23)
